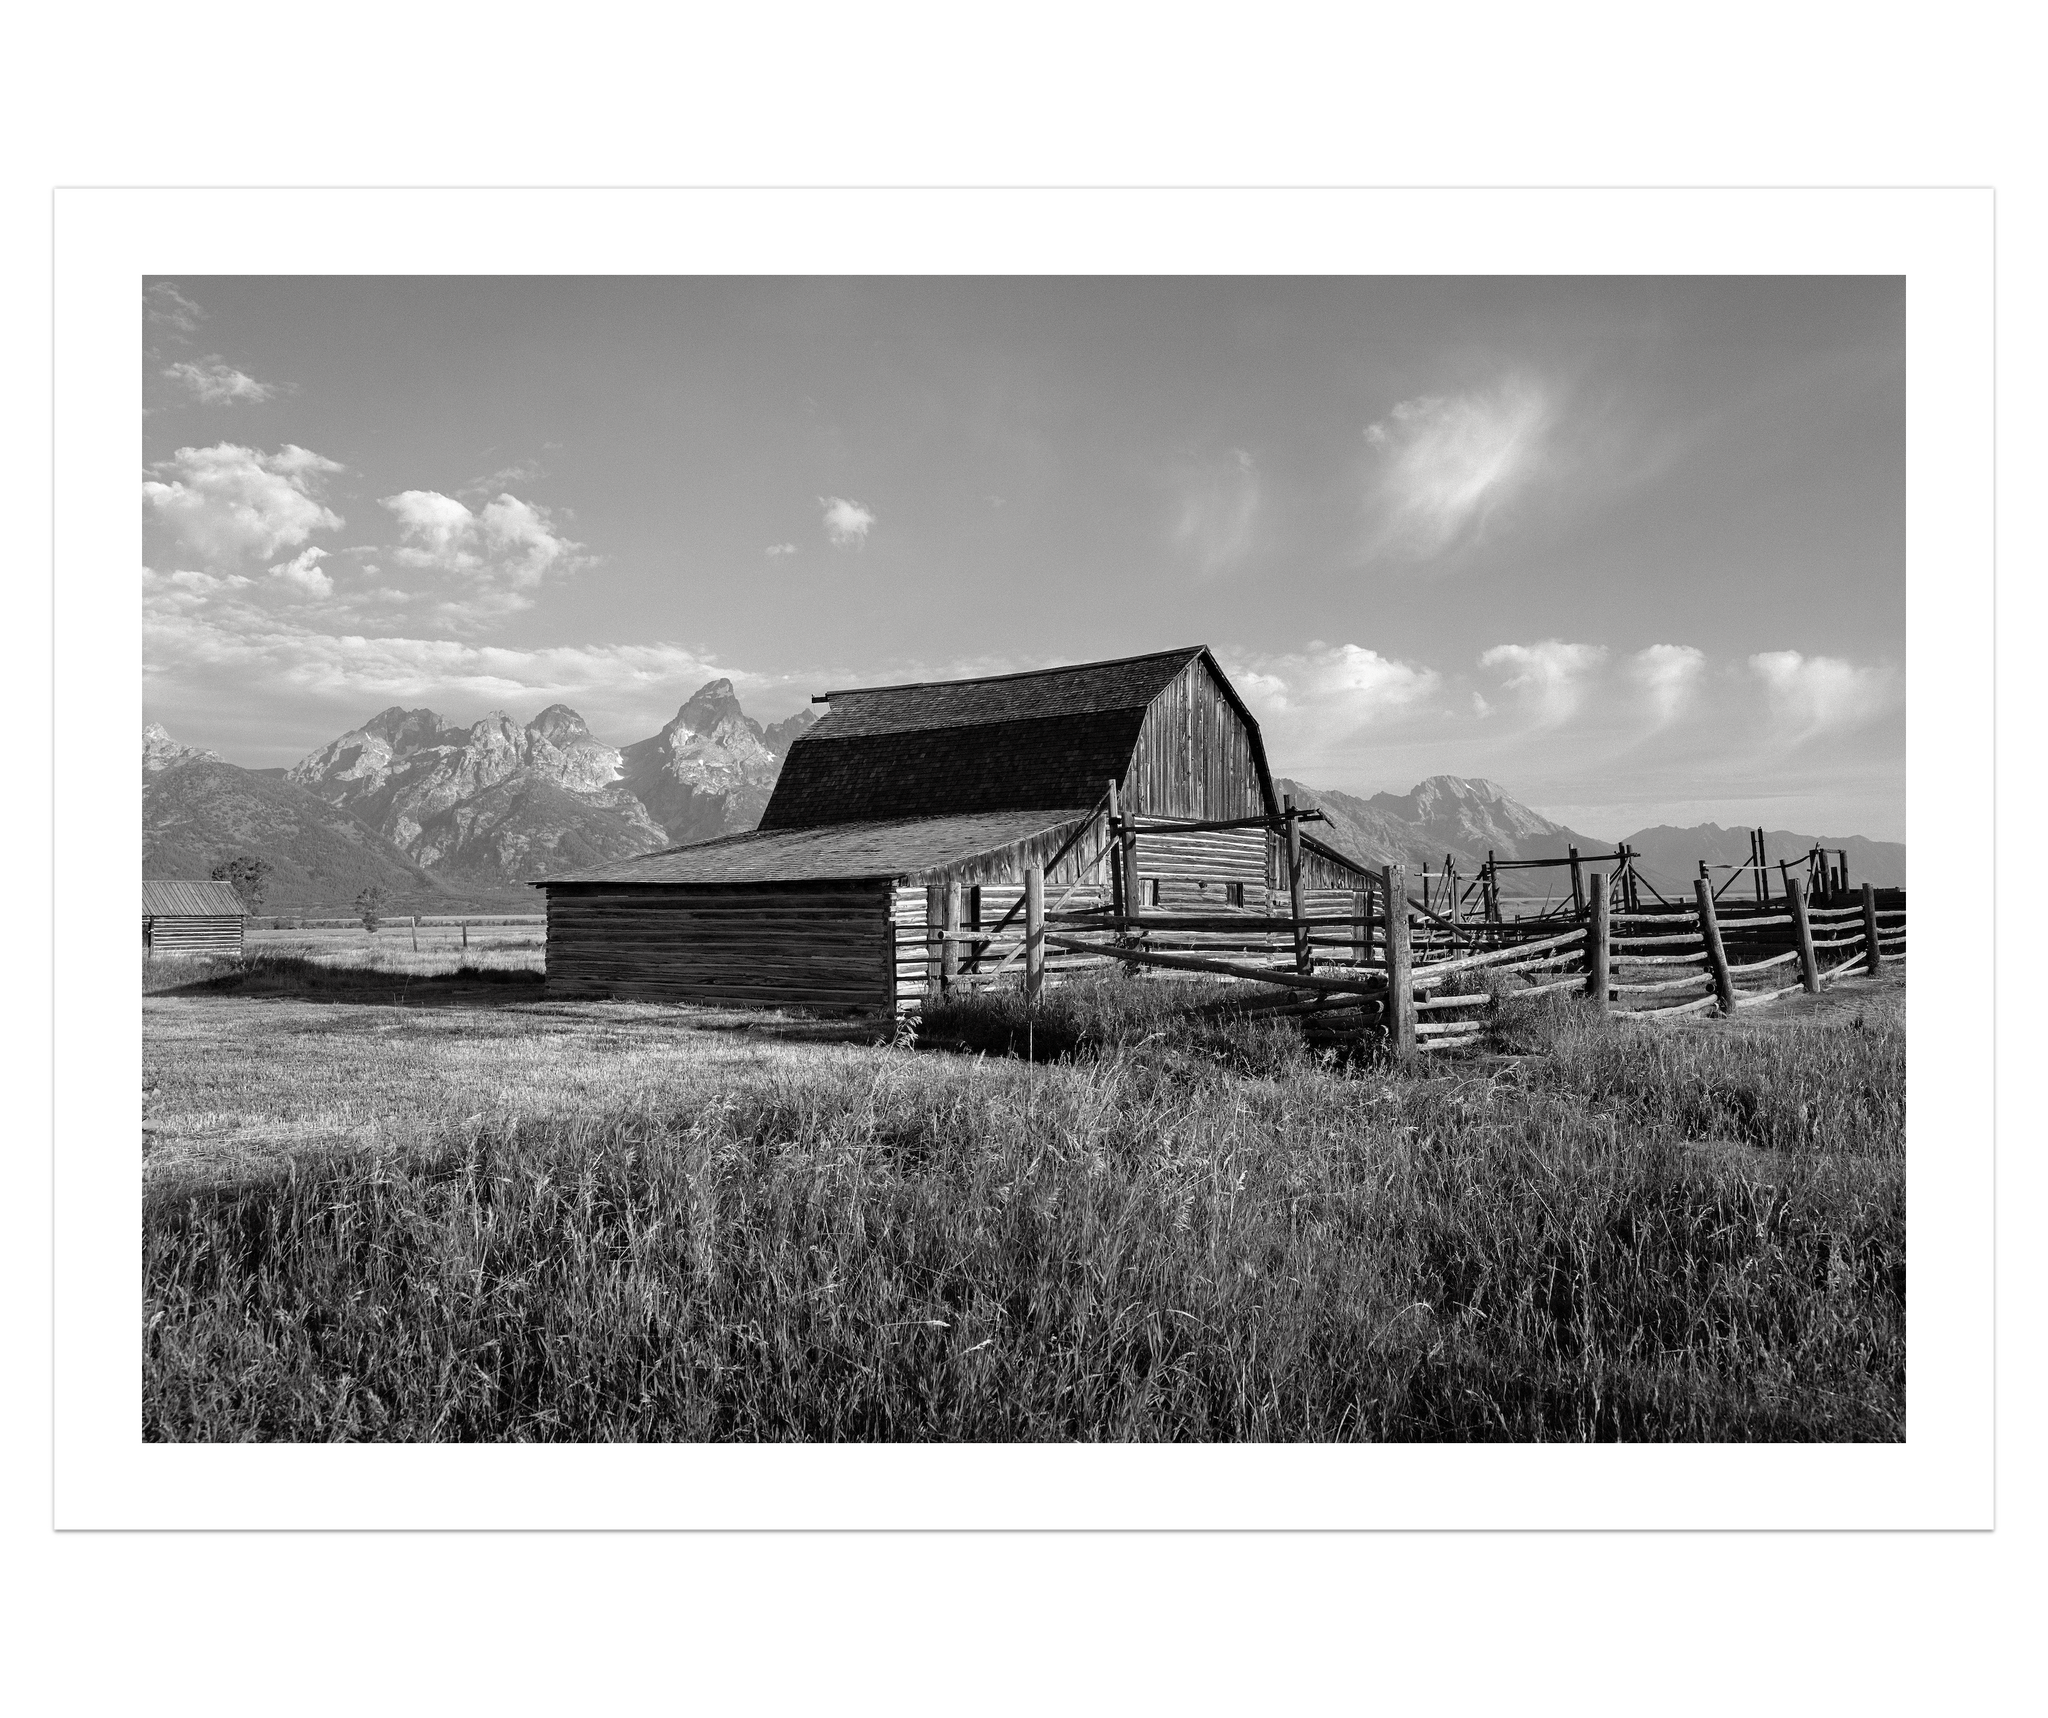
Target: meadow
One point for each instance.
(394, 1196)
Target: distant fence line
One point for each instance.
(398, 921)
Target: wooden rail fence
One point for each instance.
(1392, 965)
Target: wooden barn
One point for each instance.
(192, 918)
(908, 806)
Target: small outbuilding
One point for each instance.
(904, 805)
(192, 918)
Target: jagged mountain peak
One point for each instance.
(713, 706)
(560, 725)
(161, 752)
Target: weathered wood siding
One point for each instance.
(763, 945)
(1194, 756)
(192, 935)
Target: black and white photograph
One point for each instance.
(1263, 859)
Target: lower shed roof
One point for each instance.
(908, 847)
(206, 900)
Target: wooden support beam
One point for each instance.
(1802, 933)
(949, 947)
(1710, 934)
(1294, 884)
(1034, 933)
(1578, 887)
(1361, 934)
(1400, 963)
(1596, 940)
(934, 930)
(1873, 959)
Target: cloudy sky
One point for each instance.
(1632, 548)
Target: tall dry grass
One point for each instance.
(1640, 1234)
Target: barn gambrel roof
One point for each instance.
(1041, 740)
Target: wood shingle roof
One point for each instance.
(191, 900)
(901, 847)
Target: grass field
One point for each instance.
(384, 1198)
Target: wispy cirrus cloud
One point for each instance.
(226, 503)
(847, 523)
(169, 311)
(519, 473)
(1669, 676)
(1217, 510)
(1551, 679)
(1444, 463)
(212, 382)
(1813, 695)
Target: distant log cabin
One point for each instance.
(192, 918)
(901, 795)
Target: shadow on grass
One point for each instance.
(287, 977)
(298, 978)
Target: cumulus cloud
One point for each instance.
(1445, 463)
(1552, 678)
(490, 561)
(847, 523)
(776, 551)
(214, 383)
(1817, 694)
(225, 503)
(1669, 676)
(302, 573)
(165, 307)
(212, 640)
(1326, 691)
(1218, 511)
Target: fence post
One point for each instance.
(1872, 960)
(1596, 939)
(1294, 884)
(1802, 932)
(949, 945)
(1400, 967)
(1710, 934)
(1578, 887)
(1034, 932)
(1118, 904)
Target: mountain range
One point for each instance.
(443, 816)
(450, 818)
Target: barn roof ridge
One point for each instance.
(1184, 652)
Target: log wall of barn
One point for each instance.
(192, 935)
(1194, 755)
(798, 945)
